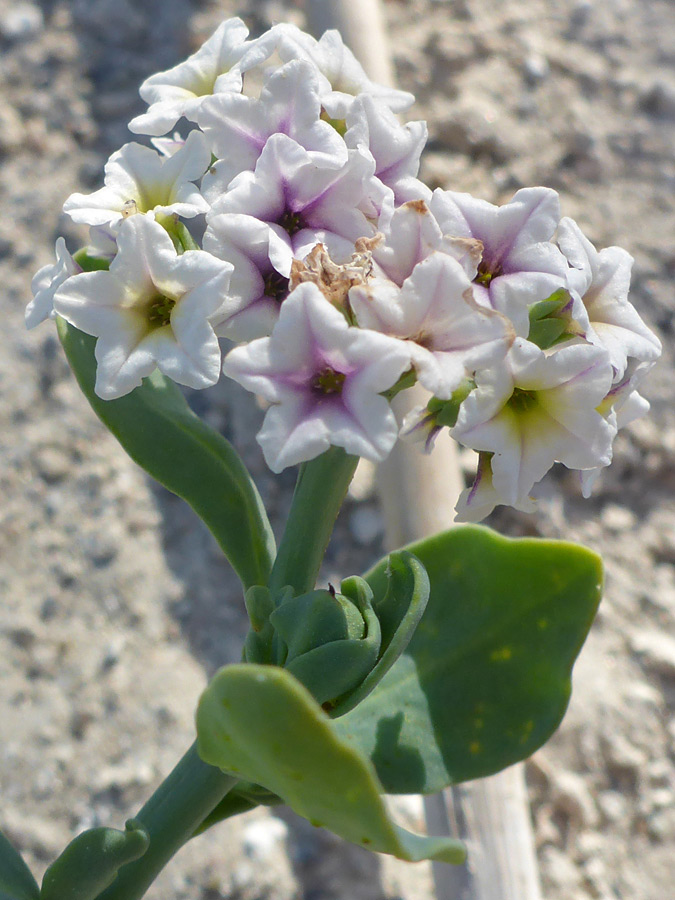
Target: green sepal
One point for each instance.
(547, 332)
(405, 381)
(486, 677)
(445, 412)
(183, 236)
(160, 432)
(549, 307)
(16, 880)
(90, 263)
(90, 863)
(547, 326)
(260, 723)
(398, 611)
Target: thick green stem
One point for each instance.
(171, 816)
(319, 494)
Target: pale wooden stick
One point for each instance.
(361, 24)
(418, 495)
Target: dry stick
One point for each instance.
(418, 496)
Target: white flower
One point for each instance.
(141, 180)
(237, 127)
(152, 309)
(256, 289)
(46, 282)
(302, 202)
(538, 408)
(447, 333)
(478, 501)
(602, 280)
(217, 66)
(519, 264)
(396, 148)
(343, 77)
(622, 405)
(324, 379)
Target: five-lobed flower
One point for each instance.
(324, 379)
(154, 308)
(141, 180)
(538, 408)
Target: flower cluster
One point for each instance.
(341, 278)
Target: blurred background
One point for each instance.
(115, 604)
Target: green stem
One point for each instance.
(171, 816)
(319, 493)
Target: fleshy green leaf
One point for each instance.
(160, 432)
(486, 678)
(90, 862)
(260, 723)
(16, 881)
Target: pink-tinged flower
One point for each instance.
(256, 289)
(302, 202)
(396, 148)
(536, 409)
(237, 127)
(343, 78)
(477, 502)
(141, 180)
(324, 379)
(152, 309)
(602, 280)
(46, 282)
(519, 264)
(217, 66)
(434, 311)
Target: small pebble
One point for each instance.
(24, 21)
(263, 836)
(657, 651)
(659, 99)
(52, 463)
(617, 518)
(612, 805)
(536, 68)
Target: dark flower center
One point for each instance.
(291, 222)
(328, 381)
(159, 311)
(276, 286)
(522, 401)
(486, 272)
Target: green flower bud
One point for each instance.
(332, 640)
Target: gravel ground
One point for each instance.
(116, 604)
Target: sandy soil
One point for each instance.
(116, 604)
